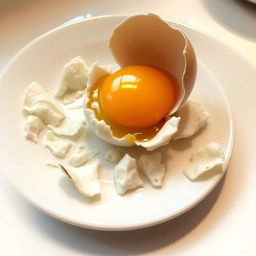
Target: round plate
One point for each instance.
(24, 161)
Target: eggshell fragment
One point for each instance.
(81, 156)
(70, 127)
(126, 175)
(76, 106)
(38, 103)
(58, 146)
(164, 136)
(72, 96)
(193, 118)
(47, 112)
(95, 72)
(150, 165)
(148, 40)
(113, 155)
(33, 94)
(85, 179)
(32, 127)
(208, 159)
(52, 164)
(73, 81)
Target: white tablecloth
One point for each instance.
(223, 224)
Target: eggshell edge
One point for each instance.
(188, 77)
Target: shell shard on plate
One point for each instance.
(70, 127)
(208, 160)
(59, 147)
(32, 127)
(152, 168)
(38, 103)
(81, 156)
(193, 118)
(73, 81)
(85, 179)
(148, 40)
(114, 155)
(126, 176)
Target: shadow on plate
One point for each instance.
(125, 242)
(237, 15)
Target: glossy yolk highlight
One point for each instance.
(137, 96)
(134, 100)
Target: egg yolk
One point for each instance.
(137, 96)
(134, 101)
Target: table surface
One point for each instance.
(223, 224)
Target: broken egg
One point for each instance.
(132, 105)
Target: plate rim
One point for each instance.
(141, 223)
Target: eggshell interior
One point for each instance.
(148, 40)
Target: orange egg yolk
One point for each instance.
(137, 96)
(134, 100)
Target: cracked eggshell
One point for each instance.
(164, 135)
(193, 118)
(166, 48)
(101, 129)
(104, 131)
(148, 40)
(70, 127)
(126, 176)
(85, 179)
(114, 155)
(208, 159)
(38, 103)
(32, 127)
(73, 81)
(81, 156)
(153, 169)
(58, 146)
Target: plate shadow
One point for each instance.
(124, 242)
(236, 15)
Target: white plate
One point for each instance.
(24, 162)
